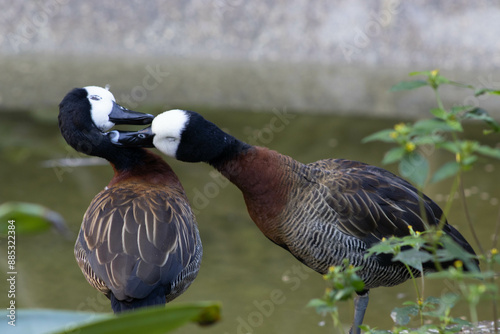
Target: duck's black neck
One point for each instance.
(204, 141)
(123, 158)
(232, 148)
(88, 139)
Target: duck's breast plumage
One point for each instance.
(138, 237)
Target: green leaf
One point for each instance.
(383, 135)
(447, 170)
(429, 126)
(488, 151)
(413, 257)
(383, 247)
(439, 113)
(469, 161)
(461, 323)
(439, 80)
(153, 320)
(449, 146)
(433, 139)
(458, 109)
(393, 155)
(322, 306)
(482, 115)
(454, 251)
(486, 91)
(30, 218)
(455, 125)
(408, 85)
(402, 315)
(414, 167)
(316, 302)
(393, 244)
(426, 73)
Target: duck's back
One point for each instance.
(139, 243)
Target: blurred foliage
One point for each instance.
(414, 144)
(152, 320)
(29, 218)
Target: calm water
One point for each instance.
(263, 289)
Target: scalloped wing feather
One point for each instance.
(133, 239)
(371, 203)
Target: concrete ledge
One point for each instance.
(41, 82)
(318, 56)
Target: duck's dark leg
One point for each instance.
(360, 304)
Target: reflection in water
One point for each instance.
(263, 289)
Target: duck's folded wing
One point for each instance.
(135, 240)
(371, 203)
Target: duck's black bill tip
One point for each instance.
(121, 115)
(142, 138)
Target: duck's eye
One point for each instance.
(95, 97)
(141, 135)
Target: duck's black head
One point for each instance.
(184, 135)
(84, 116)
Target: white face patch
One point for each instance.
(101, 102)
(167, 128)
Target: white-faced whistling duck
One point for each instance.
(322, 212)
(139, 242)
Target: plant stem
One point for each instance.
(468, 218)
(497, 232)
(336, 322)
(421, 206)
(447, 207)
(492, 280)
(442, 221)
(438, 99)
(419, 297)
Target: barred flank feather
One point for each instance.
(332, 209)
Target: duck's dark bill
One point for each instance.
(142, 138)
(121, 115)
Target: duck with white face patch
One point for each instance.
(322, 212)
(106, 113)
(139, 242)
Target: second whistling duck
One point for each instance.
(139, 242)
(322, 212)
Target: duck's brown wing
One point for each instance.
(371, 203)
(134, 240)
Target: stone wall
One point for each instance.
(315, 56)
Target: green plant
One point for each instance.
(442, 131)
(29, 218)
(152, 320)
(343, 283)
